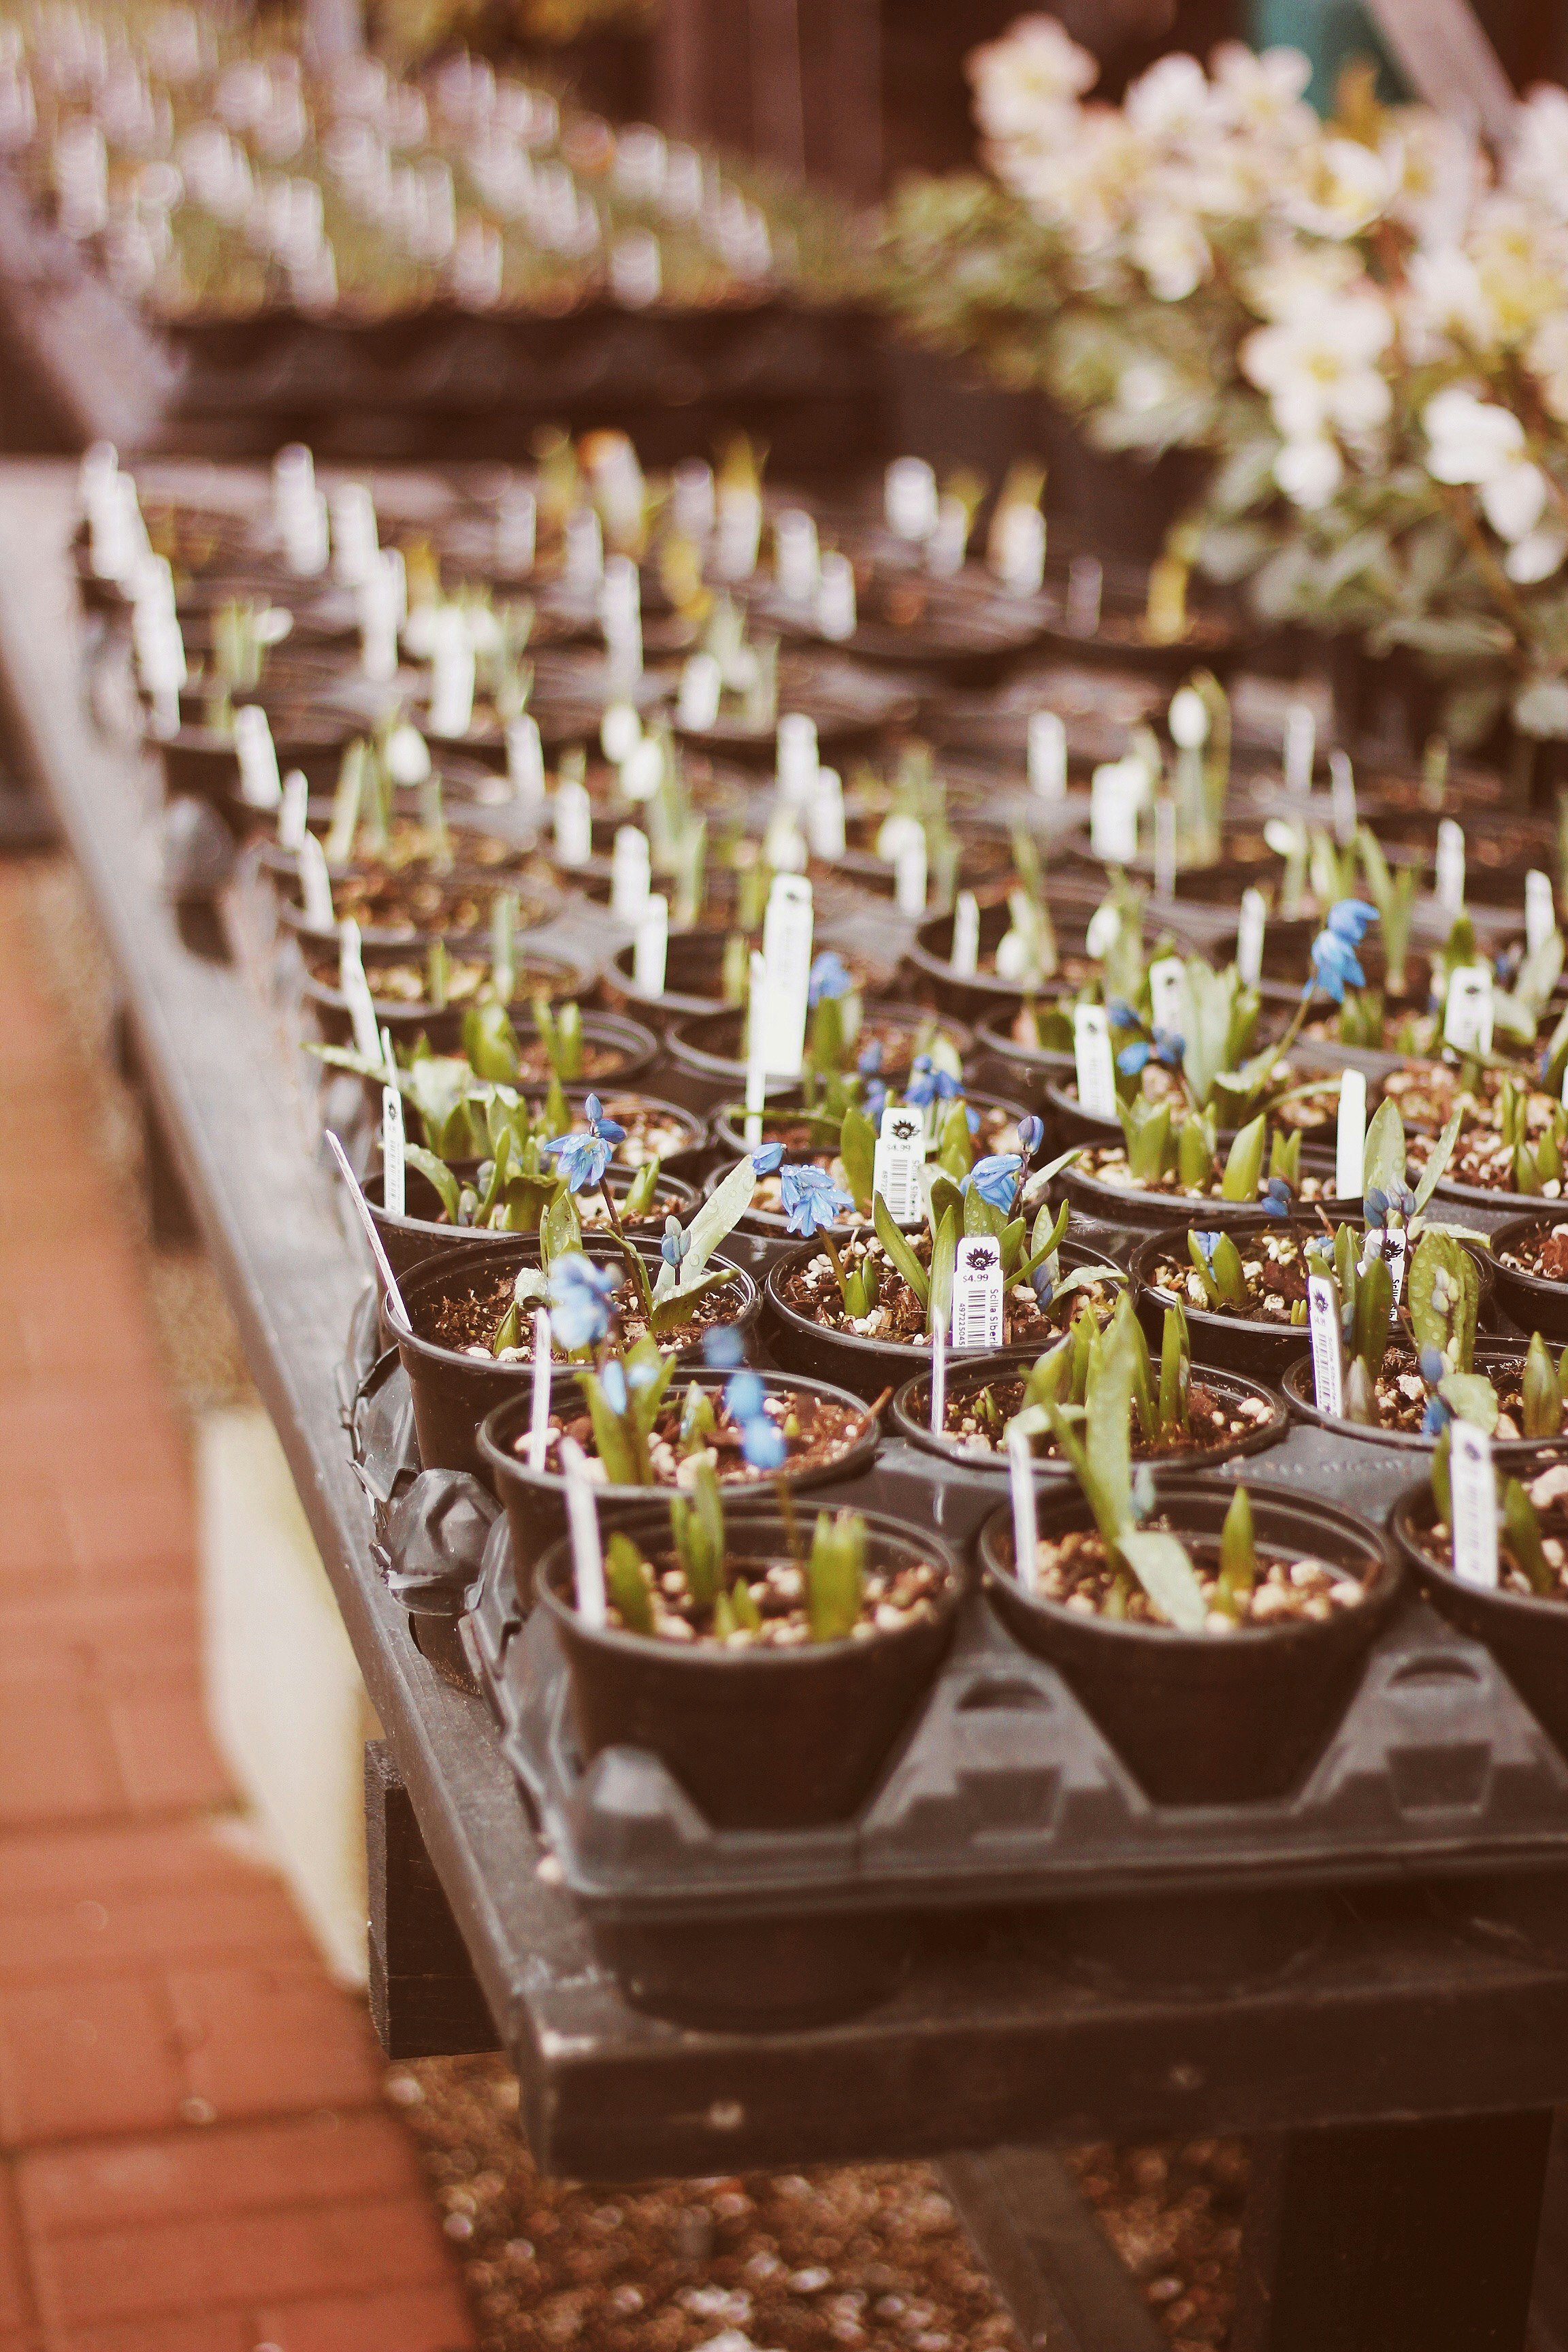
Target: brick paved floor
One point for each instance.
(194, 2151)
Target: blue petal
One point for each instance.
(1433, 1368)
(1134, 1058)
(829, 977)
(766, 1157)
(1031, 1135)
(1435, 1418)
(613, 1381)
(723, 1347)
(1351, 919)
(763, 1444)
(743, 1396)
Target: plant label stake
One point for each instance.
(394, 1180)
(910, 499)
(1114, 792)
(650, 953)
(1393, 1246)
(1096, 1071)
(910, 873)
(966, 935)
(582, 1519)
(1349, 1145)
(1249, 936)
(516, 529)
(948, 542)
(356, 991)
(1301, 747)
(1540, 910)
(1328, 1345)
(786, 966)
(573, 822)
(1472, 1483)
(797, 557)
(620, 732)
(825, 815)
(383, 1264)
(899, 1157)
(356, 542)
(701, 684)
(837, 618)
(977, 1292)
(382, 597)
(539, 1416)
(1165, 848)
(1341, 786)
(1026, 1526)
(1467, 1015)
(797, 761)
(643, 773)
(260, 786)
(938, 1379)
(525, 761)
(1168, 996)
(756, 1060)
(1047, 756)
(451, 673)
(1086, 582)
(1021, 549)
(293, 810)
(630, 872)
(1450, 885)
(620, 617)
(316, 884)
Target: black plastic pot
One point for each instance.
(482, 884)
(911, 1411)
(1141, 1212)
(452, 1391)
(1029, 1068)
(203, 761)
(1533, 1301)
(555, 976)
(693, 979)
(710, 1047)
(1528, 1638)
(1203, 1718)
(1264, 1352)
(1296, 1386)
(730, 1120)
(421, 1234)
(1069, 1123)
(867, 1367)
(535, 1500)
(759, 1738)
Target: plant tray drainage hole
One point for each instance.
(1005, 1698)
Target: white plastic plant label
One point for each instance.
(1168, 995)
(910, 499)
(1472, 1483)
(1086, 585)
(307, 539)
(787, 974)
(899, 1157)
(1450, 882)
(965, 955)
(643, 773)
(740, 530)
(583, 553)
(1300, 750)
(630, 874)
(1540, 910)
(837, 618)
(977, 1292)
(756, 1061)
(452, 674)
(1328, 1345)
(825, 815)
(1165, 848)
(1467, 1011)
(938, 1379)
(573, 822)
(382, 599)
(1392, 1245)
(1047, 755)
(620, 732)
(260, 786)
(1342, 789)
(1025, 1523)
(1021, 550)
(651, 952)
(525, 760)
(516, 529)
(1114, 795)
(393, 1181)
(356, 991)
(583, 1522)
(797, 758)
(355, 541)
(1096, 1070)
(539, 1403)
(620, 616)
(1249, 936)
(948, 542)
(1349, 1142)
(701, 684)
(693, 501)
(797, 556)
(316, 884)
(293, 813)
(910, 875)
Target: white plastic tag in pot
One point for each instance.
(630, 873)
(702, 685)
(910, 499)
(1328, 1344)
(1250, 935)
(1472, 1483)
(1449, 889)
(899, 1157)
(1096, 1070)
(650, 953)
(787, 974)
(1047, 755)
(1467, 1009)
(260, 786)
(977, 1292)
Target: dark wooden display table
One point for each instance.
(1404, 2070)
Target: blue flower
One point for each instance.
(580, 1300)
(811, 1199)
(1135, 1057)
(1433, 1368)
(763, 1444)
(1208, 1244)
(996, 1178)
(677, 1242)
(1044, 1287)
(1120, 1014)
(583, 1158)
(766, 1157)
(613, 1381)
(1351, 919)
(1276, 1197)
(723, 1347)
(1334, 964)
(1435, 1418)
(606, 1128)
(1375, 1208)
(871, 1058)
(928, 1085)
(744, 1395)
(1169, 1047)
(829, 977)
(1031, 1135)
(876, 1101)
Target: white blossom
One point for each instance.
(1309, 470)
(1024, 82)
(1319, 367)
(1342, 191)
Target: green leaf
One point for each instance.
(640, 1191)
(1522, 1533)
(490, 1041)
(1432, 1175)
(620, 1447)
(1238, 1554)
(1470, 1396)
(561, 1228)
(649, 1369)
(1162, 1567)
(697, 1524)
(1384, 1156)
(1194, 1154)
(954, 1152)
(719, 1215)
(435, 1172)
(675, 1306)
(628, 1583)
(836, 1576)
(1243, 1166)
(1176, 1365)
(898, 1249)
(1209, 1008)
(858, 1150)
(943, 1257)
(1374, 1312)
(1108, 1432)
(1543, 1396)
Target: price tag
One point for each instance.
(1249, 936)
(1450, 885)
(650, 953)
(1047, 755)
(938, 1379)
(825, 815)
(1341, 787)
(787, 974)
(582, 1523)
(899, 1157)
(977, 1292)
(1115, 791)
(525, 760)
(948, 542)
(910, 499)
(1392, 1244)
(1096, 1070)
(293, 812)
(1472, 1483)
(837, 618)
(910, 873)
(620, 732)
(1086, 585)
(642, 775)
(1026, 1526)
(356, 991)
(1540, 910)
(797, 755)
(1301, 747)
(1328, 1345)
(573, 822)
(1020, 544)
(355, 541)
(630, 874)
(1349, 1145)
(452, 673)
(797, 557)
(316, 886)
(1168, 995)
(966, 956)
(1467, 1012)
(1165, 850)
(393, 1179)
(701, 684)
(260, 786)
